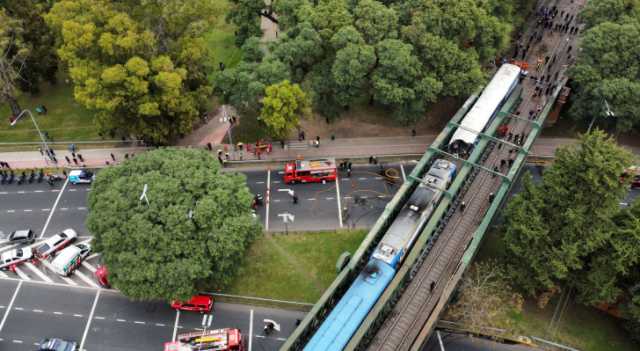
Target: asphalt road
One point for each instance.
(460, 342)
(104, 320)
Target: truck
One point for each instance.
(310, 171)
(226, 339)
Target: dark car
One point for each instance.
(55, 344)
(26, 236)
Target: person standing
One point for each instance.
(113, 157)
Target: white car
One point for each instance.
(56, 242)
(14, 257)
(80, 176)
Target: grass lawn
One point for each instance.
(221, 40)
(295, 267)
(66, 120)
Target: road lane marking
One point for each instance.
(276, 182)
(160, 325)
(139, 322)
(53, 209)
(82, 208)
(88, 266)
(16, 341)
(13, 299)
(276, 200)
(39, 191)
(175, 325)
(86, 279)
(93, 310)
(38, 311)
(28, 210)
(72, 189)
(121, 320)
(19, 309)
(99, 317)
(346, 179)
(11, 211)
(259, 182)
(38, 272)
(21, 192)
(77, 315)
(404, 176)
(312, 199)
(45, 209)
(250, 329)
(331, 197)
(58, 313)
(268, 200)
(21, 274)
(362, 178)
(338, 197)
(64, 209)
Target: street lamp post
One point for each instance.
(607, 112)
(44, 141)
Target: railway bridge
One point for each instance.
(406, 313)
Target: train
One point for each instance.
(342, 322)
(485, 108)
(345, 318)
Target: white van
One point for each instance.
(70, 258)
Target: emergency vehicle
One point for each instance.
(310, 171)
(227, 339)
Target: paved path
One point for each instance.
(339, 148)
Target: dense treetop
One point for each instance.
(401, 55)
(607, 68)
(193, 231)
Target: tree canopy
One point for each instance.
(401, 55)
(142, 66)
(282, 107)
(607, 72)
(193, 231)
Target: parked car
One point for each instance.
(25, 236)
(70, 258)
(102, 275)
(56, 344)
(80, 176)
(10, 259)
(197, 303)
(56, 243)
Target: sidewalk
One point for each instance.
(339, 148)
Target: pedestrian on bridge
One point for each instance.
(432, 286)
(68, 160)
(113, 157)
(462, 206)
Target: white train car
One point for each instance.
(485, 108)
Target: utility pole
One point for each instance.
(44, 142)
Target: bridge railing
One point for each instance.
(301, 335)
(391, 295)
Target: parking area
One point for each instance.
(102, 320)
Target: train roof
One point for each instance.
(345, 318)
(482, 110)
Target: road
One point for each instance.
(461, 342)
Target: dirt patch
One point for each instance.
(367, 121)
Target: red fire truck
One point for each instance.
(310, 171)
(227, 339)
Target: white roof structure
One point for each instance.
(481, 112)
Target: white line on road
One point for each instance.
(53, 209)
(39, 191)
(21, 274)
(89, 266)
(331, 197)
(58, 313)
(259, 182)
(276, 200)
(121, 320)
(267, 199)
(28, 210)
(3, 275)
(19, 309)
(38, 272)
(312, 199)
(175, 325)
(139, 322)
(338, 197)
(86, 279)
(77, 315)
(21, 192)
(276, 182)
(38, 311)
(99, 317)
(72, 189)
(45, 209)
(362, 178)
(250, 329)
(404, 176)
(82, 208)
(64, 208)
(86, 328)
(17, 341)
(13, 299)
(11, 211)
(160, 325)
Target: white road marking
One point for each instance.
(312, 199)
(45, 209)
(346, 179)
(259, 182)
(378, 178)
(55, 190)
(276, 182)
(21, 274)
(13, 299)
(64, 208)
(18, 308)
(280, 172)
(348, 197)
(99, 317)
(77, 315)
(175, 325)
(160, 325)
(404, 176)
(4, 193)
(339, 204)
(28, 210)
(21, 192)
(139, 322)
(362, 178)
(276, 200)
(331, 197)
(364, 197)
(53, 209)
(86, 328)
(121, 320)
(88, 266)
(82, 208)
(58, 313)
(16, 341)
(3, 275)
(39, 191)
(38, 311)
(86, 279)
(250, 329)
(260, 336)
(38, 272)
(11, 211)
(268, 200)
(72, 189)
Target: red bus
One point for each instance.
(227, 339)
(311, 171)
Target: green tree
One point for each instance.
(41, 63)
(246, 15)
(350, 71)
(150, 83)
(282, 107)
(608, 70)
(617, 11)
(192, 233)
(13, 55)
(375, 21)
(553, 228)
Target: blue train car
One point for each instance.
(337, 329)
